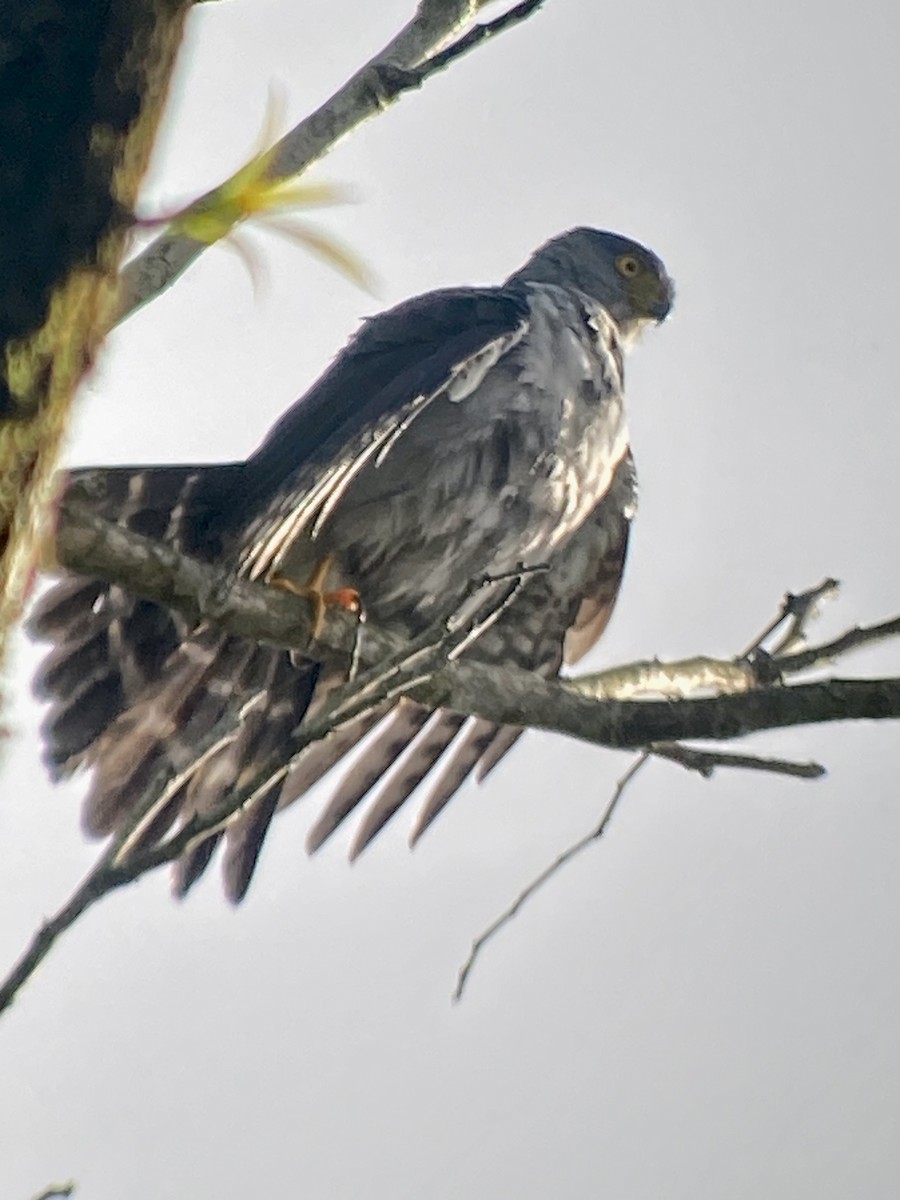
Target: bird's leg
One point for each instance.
(314, 590)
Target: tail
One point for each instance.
(109, 646)
(134, 692)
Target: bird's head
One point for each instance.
(625, 277)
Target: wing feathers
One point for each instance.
(454, 773)
(406, 773)
(399, 730)
(318, 759)
(497, 751)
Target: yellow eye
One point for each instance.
(628, 265)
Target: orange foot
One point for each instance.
(347, 598)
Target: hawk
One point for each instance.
(460, 436)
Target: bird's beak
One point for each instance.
(661, 299)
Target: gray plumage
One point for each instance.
(465, 433)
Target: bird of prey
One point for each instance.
(463, 435)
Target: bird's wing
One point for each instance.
(169, 718)
(109, 646)
(397, 364)
(557, 617)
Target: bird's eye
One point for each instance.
(628, 265)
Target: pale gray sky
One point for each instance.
(705, 1006)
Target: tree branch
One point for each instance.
(419, 51)
(547, 874)
(56, 1190)
(127, 857)
(87, 545)
(854, 639)
(706, 762)
(703, 762)
(428, 671)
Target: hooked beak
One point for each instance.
(661, 301)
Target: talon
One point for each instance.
(347, 598)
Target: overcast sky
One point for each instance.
(705, 1005)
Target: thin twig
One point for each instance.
(853, 639)
(702, 761)
(481, 33)
(705, 762)
(799, 609)
(802, 610)
(410, 58)
(56, 1190)
(547, 874)
(102, 879)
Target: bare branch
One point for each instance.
(538, 882)
(705, 762)
(684, 677)
(425, 670)
(128, 858)
(799, 610)
(481, 33)
(517, 698)
(751, 669)
(89, 546)
(854, 639)
(680, 679)
(419, 51)
(56, 1190)
(101, 880)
